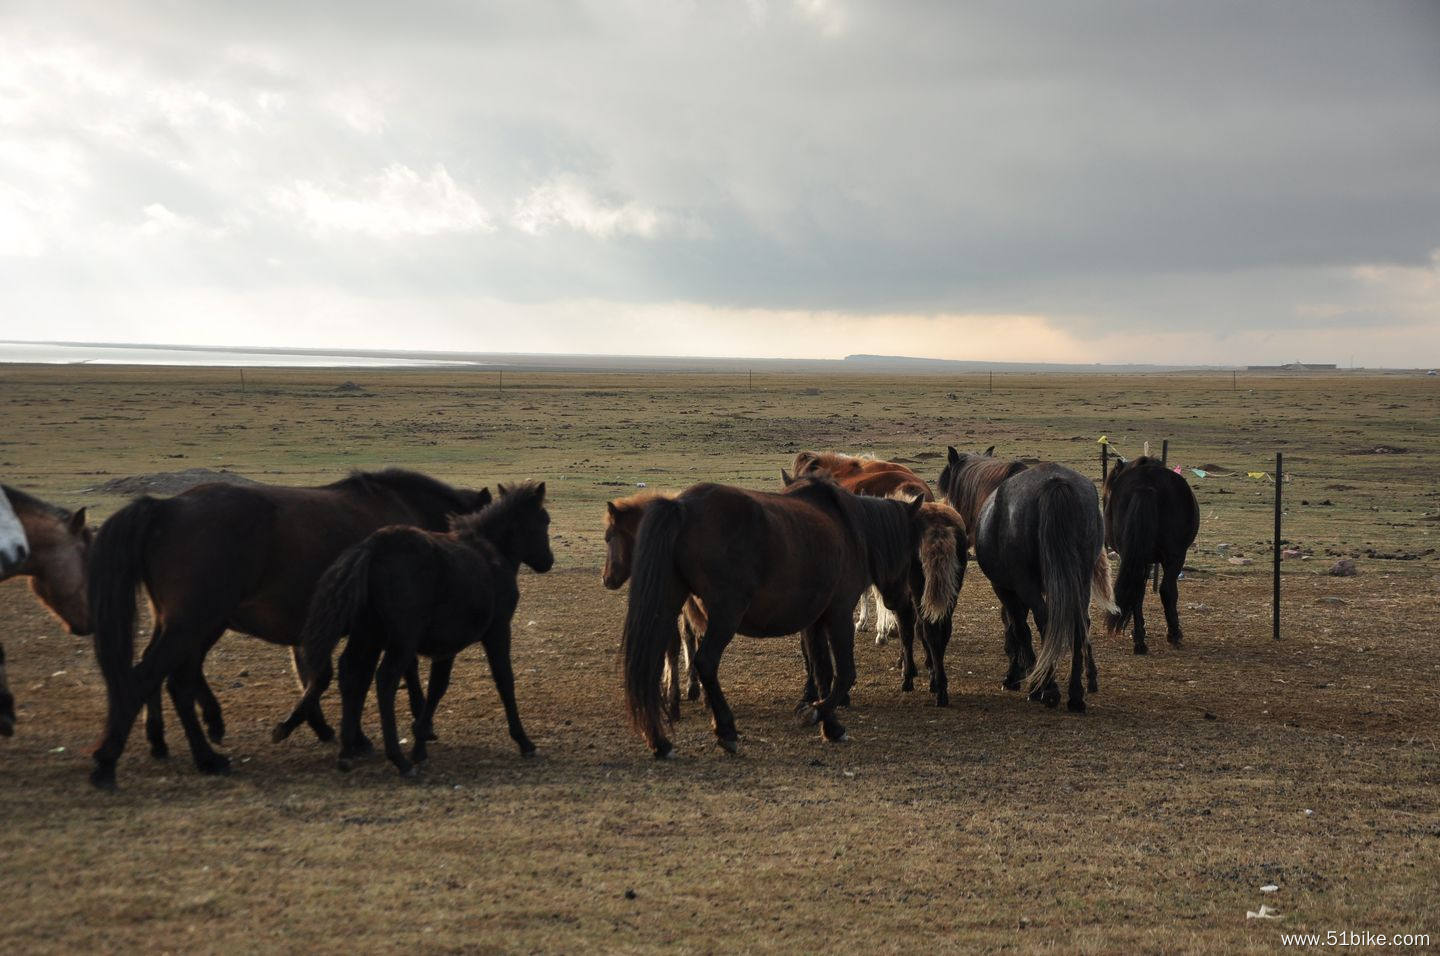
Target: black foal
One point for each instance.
(403, 592)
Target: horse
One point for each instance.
(862, 475)
(404, 591)
(1151, 516)
(765, 565)
(1038, 537)
(622, 522)
(238, 557)
(51, 545)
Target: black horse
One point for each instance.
(403, 592)
(1039, 539)
(1151, 517)
(242, 557)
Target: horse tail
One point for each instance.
(117, 561)
(656, 597)
(339, 596)
(1101, 589)
(1137, 527)
(942, 556)
(1065, 572)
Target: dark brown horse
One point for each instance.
(764, 565)
(403, 592)
(242, 557)
(50, 545)
(1151, 516)
(880, 479)
(1038, 537)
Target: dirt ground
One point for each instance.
(1199, 775)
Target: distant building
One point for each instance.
(1293, 367)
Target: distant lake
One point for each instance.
(151, 355)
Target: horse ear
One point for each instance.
(611, 510)
(916, 504)
(540, 492)
(990, 452)
(954, 455)
(785, 477)
(484, 497)
(77, 522)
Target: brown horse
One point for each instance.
(861, 475)
(238, 557)
(51, 546)
(1150, 516)
(765, 565)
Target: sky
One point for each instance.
(1191, 183)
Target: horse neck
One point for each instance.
(496, 540)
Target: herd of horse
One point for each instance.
(403, 565)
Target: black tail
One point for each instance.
(1065, 571)
(656, 596)
(117, 561)
(339, 595)
(1136, 527)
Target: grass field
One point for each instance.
(1148, 824)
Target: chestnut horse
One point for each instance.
(239, 557)
(1040, 540)
(1151, 515)
(51, 546)
(765, 565)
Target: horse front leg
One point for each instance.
(7, 702)
(1019, 647)
(497, 650)
(840, 632)
(424, 719)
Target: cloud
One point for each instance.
(566, 203)
(1153, 177)
(395, 203)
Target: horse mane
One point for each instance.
(636, 501)
(513, 498)
(974, 481)
(21, 501)
(1134, 465)
(888, 533)
(400, 480)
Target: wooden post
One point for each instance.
(1279, 485)
(992, 381)
(242, 381)
(1104, 466)
(1234, 381)
(752, 380)
(1155, 571)
(502, 381)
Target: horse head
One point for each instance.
(60, 553)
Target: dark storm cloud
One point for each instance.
(1215, 165)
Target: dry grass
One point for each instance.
(1144, 825)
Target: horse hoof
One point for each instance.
(7, 726)
(668, 753)
(1093, 688)
(103, 778)
(216, 732)
(213, 764)
(281, 732)
(411, 772)
(1051, 698)
(1010, 683)
(835, 735)
(1141, 649)
(693, 694)
(810, 716)
(527, 750)
(907, 685)
(1175, 638)
(160, 750)
(1075, 706)
(729, 744)
(345, 765)
(324, 733)
(942, 699)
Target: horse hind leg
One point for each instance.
(387, 683)
(7, 702)
(1170, 599)
(1138, 634)
(719, 630)
(183, 683)
(314, 716)
(1019, 646)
